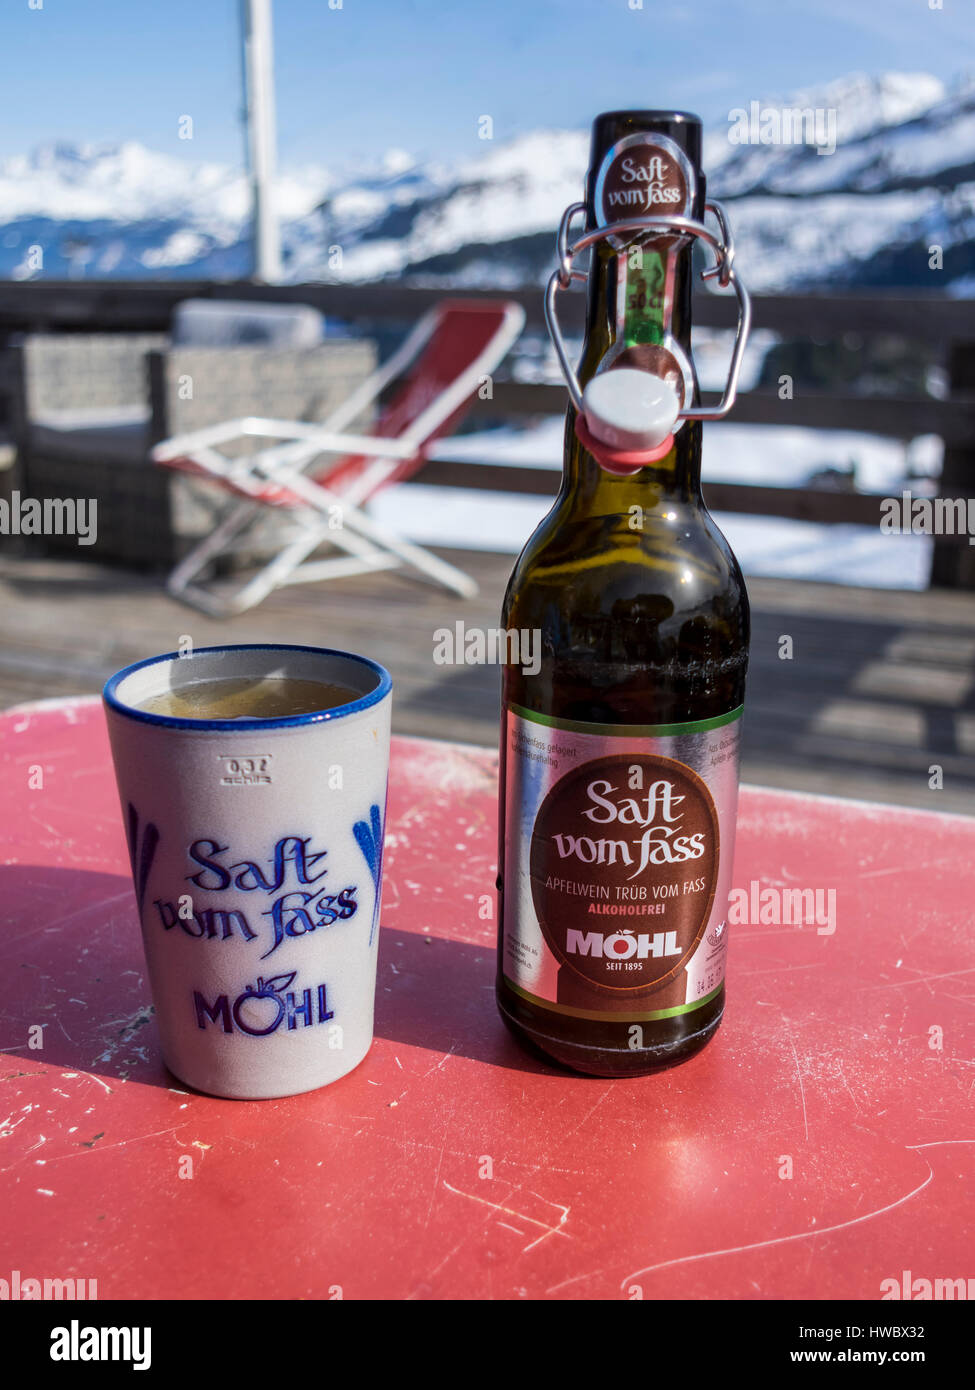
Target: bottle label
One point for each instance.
(619, 841)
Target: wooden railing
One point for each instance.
(945, 328)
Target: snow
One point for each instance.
(182, 246)
(143, 211)
(397, 161)
(775, 455)
(552, 155)
(921, 151)
(865, 104)
(129, 183)
(857, 555)
(767, 546)
(942, 145)
(509, 192)
(780, 242)
(358, 204)
(771, 455)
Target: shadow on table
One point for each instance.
(439, 994)
(74, 991)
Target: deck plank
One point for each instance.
(880, 689)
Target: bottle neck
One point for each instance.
(639, 313)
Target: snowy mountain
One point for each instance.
(900, 180)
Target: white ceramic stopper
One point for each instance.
(630, 409)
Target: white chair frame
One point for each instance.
(322, 516)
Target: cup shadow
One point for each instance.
(75, 994)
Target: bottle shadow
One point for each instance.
(75, 992)
(438, 994)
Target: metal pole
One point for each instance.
(259, 116)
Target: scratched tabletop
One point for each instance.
(823, 1143)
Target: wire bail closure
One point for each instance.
(620, 461)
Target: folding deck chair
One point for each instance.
(443, 361)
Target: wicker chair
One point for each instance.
(86, 409)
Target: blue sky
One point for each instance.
(416, 74)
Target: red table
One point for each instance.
(450, 1164)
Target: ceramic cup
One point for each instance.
(256, 851)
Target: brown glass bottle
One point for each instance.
(644, 625)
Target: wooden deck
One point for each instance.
(881, 688)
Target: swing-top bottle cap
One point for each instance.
(645, 186)
(630, 409)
